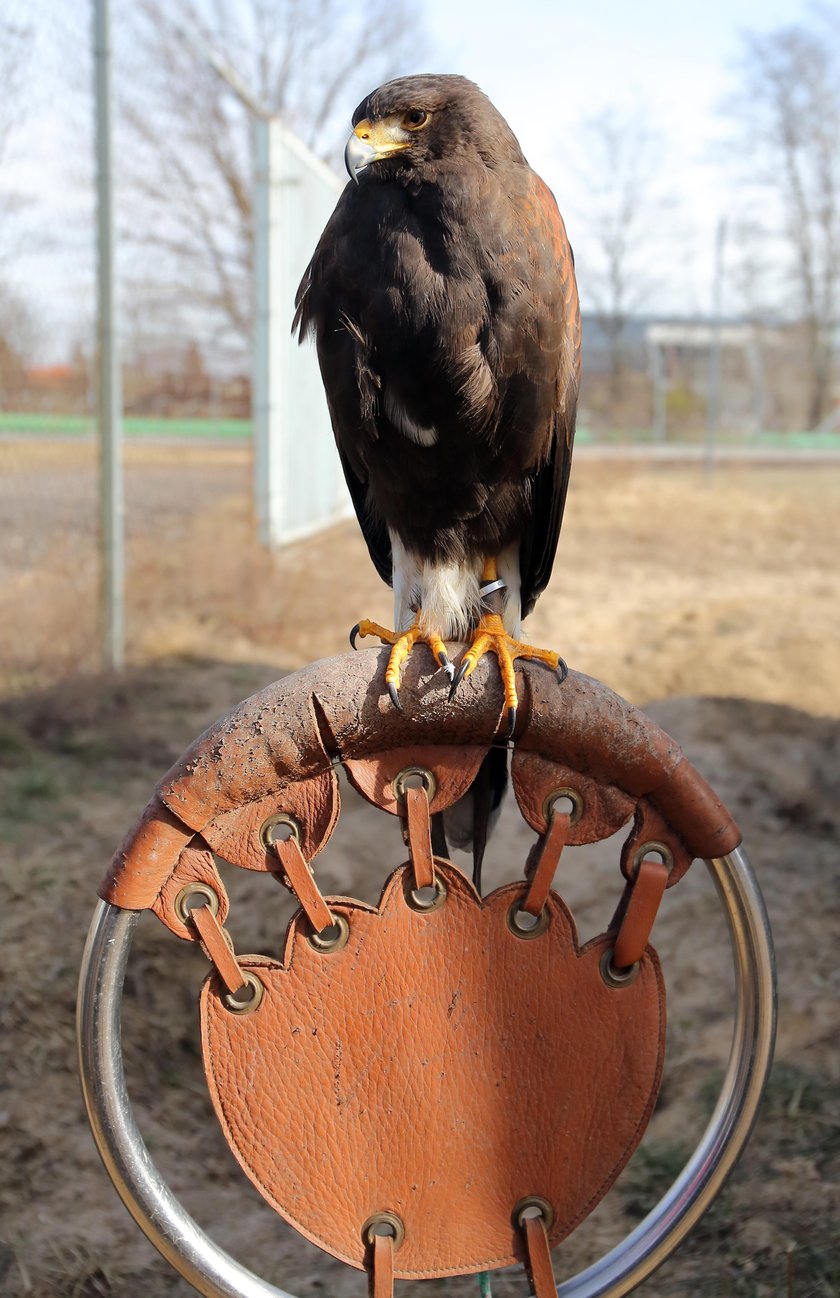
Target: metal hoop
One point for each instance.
(216, 1275)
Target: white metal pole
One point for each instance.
(109, 390)
(261, 371)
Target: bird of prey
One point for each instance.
(443, 302)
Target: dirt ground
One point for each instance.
(718, 602)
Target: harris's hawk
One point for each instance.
(443, 302)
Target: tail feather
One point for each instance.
(469, 823)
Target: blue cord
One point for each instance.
(484, 1285)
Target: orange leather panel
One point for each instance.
(194, 865)
(436, 1059)
(605, 808)
(454, 767)
(650, 826)
(313, 803)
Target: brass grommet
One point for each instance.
(524, 925)
(280, 818)
(652, 848)
(181, 906)
(332, 938)
(614, 977)
(384, 1223)
(422, 777)
(424, 900)
(236, 1006)
(533, 1205)
(572, 796)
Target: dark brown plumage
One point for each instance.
(443, 302)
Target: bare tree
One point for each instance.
(15, 46)
(622, 175)
(787, 117)
(186, 159)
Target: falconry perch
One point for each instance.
(443, 302)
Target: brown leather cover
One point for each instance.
(289, 733)
(436, 1060)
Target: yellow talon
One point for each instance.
(402, 643)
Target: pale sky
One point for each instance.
(547, 66)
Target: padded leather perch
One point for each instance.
(437, 1064)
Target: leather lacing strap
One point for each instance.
(637, 911)
(218, 949)
(538, 1264)
(297, 876)
(419, 828)
(382, 1267)
(543, 872)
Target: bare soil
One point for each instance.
(720, 602)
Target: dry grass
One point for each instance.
(664, 585)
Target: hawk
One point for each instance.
(443, 302)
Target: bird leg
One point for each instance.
(403, 642)
(490, 636)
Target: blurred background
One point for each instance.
(695, 159)
(175, 533)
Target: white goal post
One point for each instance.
(298, 484)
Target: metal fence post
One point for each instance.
(109, 381)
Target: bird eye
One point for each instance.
(415, 118)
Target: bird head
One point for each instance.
(414, 122)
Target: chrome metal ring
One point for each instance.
(217, 1275)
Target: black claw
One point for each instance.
(395, 698)
(562, 669)
(456, 680)
(511, 726)
(353, 635)
(447, 665)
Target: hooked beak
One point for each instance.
(372, 141)
(358, 155)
